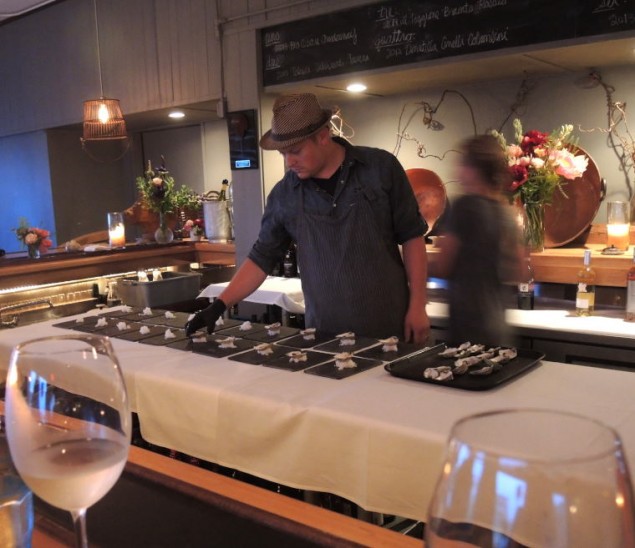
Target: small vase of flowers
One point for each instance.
(35, 239)
(196, 229)
(540, 164)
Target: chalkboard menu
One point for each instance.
(399, 32)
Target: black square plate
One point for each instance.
(88, 325)
(329, 370)
(254, 358)
(135, 333)
(298, 341)
(160, 340)
(283, 362)
(263, 336)
(178, 321)
(412, 367)
(211, 348)
(114, 331)
(334, 347)
(137, 315)
(235, 330)
(228, 323)
(403, 349)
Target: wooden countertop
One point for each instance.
(561, 265)
(58, 265)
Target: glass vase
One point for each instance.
(34, 251)
(163, 234)
(534, 226)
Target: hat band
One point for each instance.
(299, 133)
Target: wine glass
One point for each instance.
(68, 420)
(531, 477)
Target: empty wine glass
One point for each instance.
(528, 477)
(68, 420)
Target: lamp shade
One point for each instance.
(103, 120)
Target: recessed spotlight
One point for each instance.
(356, 88)
(177, 114)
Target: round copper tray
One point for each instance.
(571, 215)
(430, 194)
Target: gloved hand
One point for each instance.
(206, 317)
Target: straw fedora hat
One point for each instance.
(295, 118)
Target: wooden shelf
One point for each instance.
(17, 270)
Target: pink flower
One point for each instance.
(189, 224)
(30, 238)
(157, 181)
(514, 151)
(568, 165)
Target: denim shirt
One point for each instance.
(368, 173)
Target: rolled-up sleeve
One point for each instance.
(406, 217)
(273, 238)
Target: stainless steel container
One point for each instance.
(217, 220)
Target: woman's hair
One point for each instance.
(484, 153)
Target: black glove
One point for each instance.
(206, 317)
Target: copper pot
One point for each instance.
(430, 193)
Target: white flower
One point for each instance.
(537, 163)
(30, 238)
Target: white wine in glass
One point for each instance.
(68, 420)
(532, 478)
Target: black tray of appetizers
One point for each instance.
(414, 367)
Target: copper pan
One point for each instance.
(430, 193)
(570, 216)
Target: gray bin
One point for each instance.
(173, 288)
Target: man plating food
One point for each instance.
(348, 208)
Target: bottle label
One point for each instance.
(585, 300)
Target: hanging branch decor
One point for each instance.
(618, 133)
(430, 122)
(525, 88)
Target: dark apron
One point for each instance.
(352, 278)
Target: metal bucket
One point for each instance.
(217, 220)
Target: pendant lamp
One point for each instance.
(103, 119)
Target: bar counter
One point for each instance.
(58, 265)
(372, 438)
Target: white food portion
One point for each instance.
(200, 339)
(144, 330)
(169, 314)
(75, 474)
(227, 342)
(121, 326)
(126, 308)
(245, 326)
(344, 360)
(169, 334)
(147, 311)
(220, 320)
(264, 349)
(101, 322)
(346, 339)
(297, 356)
(389, 344)
(308, 334)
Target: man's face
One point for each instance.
(306, 158)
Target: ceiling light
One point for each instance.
(177, 114)
(356, 87)
(103, 119)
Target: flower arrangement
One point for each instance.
(195, 227)
(157, 189)
(36, 239)
(540, 163)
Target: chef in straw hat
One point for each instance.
(348, 208)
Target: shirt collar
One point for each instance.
(352, 155)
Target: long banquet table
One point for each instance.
(373, 438)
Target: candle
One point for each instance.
(617, 235)
(116, 230)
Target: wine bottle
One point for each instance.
(526, 287)
(630, 292)
(290, 262)
(585, 296)
(222, 196)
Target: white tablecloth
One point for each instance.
(373, 438)
(283, 292)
